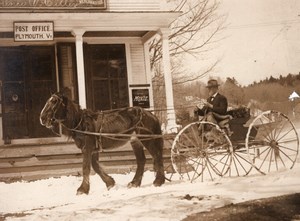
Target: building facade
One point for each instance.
(96, 49)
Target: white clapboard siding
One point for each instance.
(138, 64)
(133, 5)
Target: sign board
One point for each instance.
(140, 98)
(33, 31)
(50, 5)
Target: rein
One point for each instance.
(114, 136)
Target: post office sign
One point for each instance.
(34, 31)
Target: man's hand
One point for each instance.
(206, 104)
(200, 105)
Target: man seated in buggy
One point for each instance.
(214, 109)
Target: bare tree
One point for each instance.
(193, 33)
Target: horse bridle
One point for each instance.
(54, 119)
(55, 107)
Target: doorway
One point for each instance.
(27, 75)
(107, 84)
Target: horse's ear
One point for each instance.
(66, 92)
(51, 92)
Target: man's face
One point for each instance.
(212, 91)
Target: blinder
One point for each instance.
(59, 114)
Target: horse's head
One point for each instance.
(54, 111)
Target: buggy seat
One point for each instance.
(240, 116)
(237, 113)
(223, 120)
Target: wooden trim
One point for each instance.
(139, 85)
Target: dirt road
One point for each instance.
(270, 209)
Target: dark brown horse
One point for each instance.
(83, 126)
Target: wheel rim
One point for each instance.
(193, 156)
(275, 145)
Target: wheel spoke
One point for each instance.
(188, 138)
(267, 147)
(237, 156)
(269, 150)
(285, 134)
(270, 161)
(265, 134)
(196, 170)
(283, 125)
(210, 172)
(284, 147)
(195, 135)
(220, 161)
(286, 155)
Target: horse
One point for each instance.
(86, 128)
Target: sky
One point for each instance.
(261, 39)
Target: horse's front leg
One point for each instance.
(86, 169)
(108, 180)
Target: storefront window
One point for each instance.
(107, 85)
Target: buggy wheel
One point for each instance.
(272, 142)
(201, 149)
(241, 163)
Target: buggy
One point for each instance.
(266, 143)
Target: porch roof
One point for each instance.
(104, 21)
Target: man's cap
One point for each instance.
(212, 83)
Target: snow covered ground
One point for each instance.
(56, 199)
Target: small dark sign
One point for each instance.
(140, 98)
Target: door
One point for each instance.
(41, 81)
(28, 77)
(12, 67)
(107, 85)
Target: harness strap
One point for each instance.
(99, 141)
(112, 135)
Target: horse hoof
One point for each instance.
(110, 186)
(80, 193)
(110, 183)
(133, 185)
(157, 183)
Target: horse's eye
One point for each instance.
(53, 101)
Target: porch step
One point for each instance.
(39, 161)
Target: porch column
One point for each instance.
(171, 119)
(78, 33)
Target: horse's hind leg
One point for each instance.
(137, 147)
(155, 148)
(108, 180)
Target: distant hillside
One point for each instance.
(290, 80)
